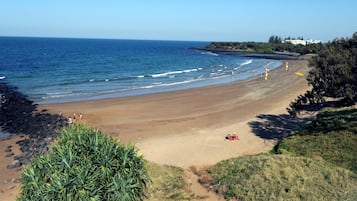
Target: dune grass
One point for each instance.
(332, 137)
(167, 183)
(282, 177)
(316, 163)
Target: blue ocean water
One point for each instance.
(54, 70)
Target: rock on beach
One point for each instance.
(19, 116)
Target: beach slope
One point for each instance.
(183, 128)
(188, 127)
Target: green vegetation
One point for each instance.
(281, 177)
(332, 137)
(275, 39)
(333, 74)
(167, 183)
(316, 163)
(84, 164)
(261, 47)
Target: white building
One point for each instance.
(301, 42)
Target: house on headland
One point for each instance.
(301, 41)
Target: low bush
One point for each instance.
(85, 164)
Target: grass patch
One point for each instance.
(332, 137)
(338, 148)
(330, 120)
(281, 177)
(168, 183)
(317, 163)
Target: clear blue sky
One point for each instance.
(204, 20)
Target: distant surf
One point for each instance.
(54, 70)
(209, 53)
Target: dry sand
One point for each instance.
(185, 128)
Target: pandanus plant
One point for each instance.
(85, 164)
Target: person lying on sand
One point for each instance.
(232, 137)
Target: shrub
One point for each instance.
(85, 164)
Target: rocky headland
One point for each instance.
(247, 49)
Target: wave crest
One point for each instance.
(174, 72)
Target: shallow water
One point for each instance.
(53, 70)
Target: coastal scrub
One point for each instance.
(281, 177)
(85, 164)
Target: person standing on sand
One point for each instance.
(286, 66)
(266, 73)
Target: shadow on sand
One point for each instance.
(276, 126)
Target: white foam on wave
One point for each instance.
(2, 77)
(170, 84)
(210, 53)
(174, 72)
(190, 70)
(246, 62)
(140, 76)
(58, 94)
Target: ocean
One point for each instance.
(56, 70)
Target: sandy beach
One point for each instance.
(187, 128)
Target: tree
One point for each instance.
(333, 74)
(85, 164)
(274, 39)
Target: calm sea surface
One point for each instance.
(53, 70)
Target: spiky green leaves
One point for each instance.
(84, 164)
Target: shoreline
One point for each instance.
(229, 78)
(191, 114)
(183, 128)
(258, 55)
(186, 87)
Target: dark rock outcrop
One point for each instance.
(19, 115)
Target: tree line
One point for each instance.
(277, 39)
(274, 45)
